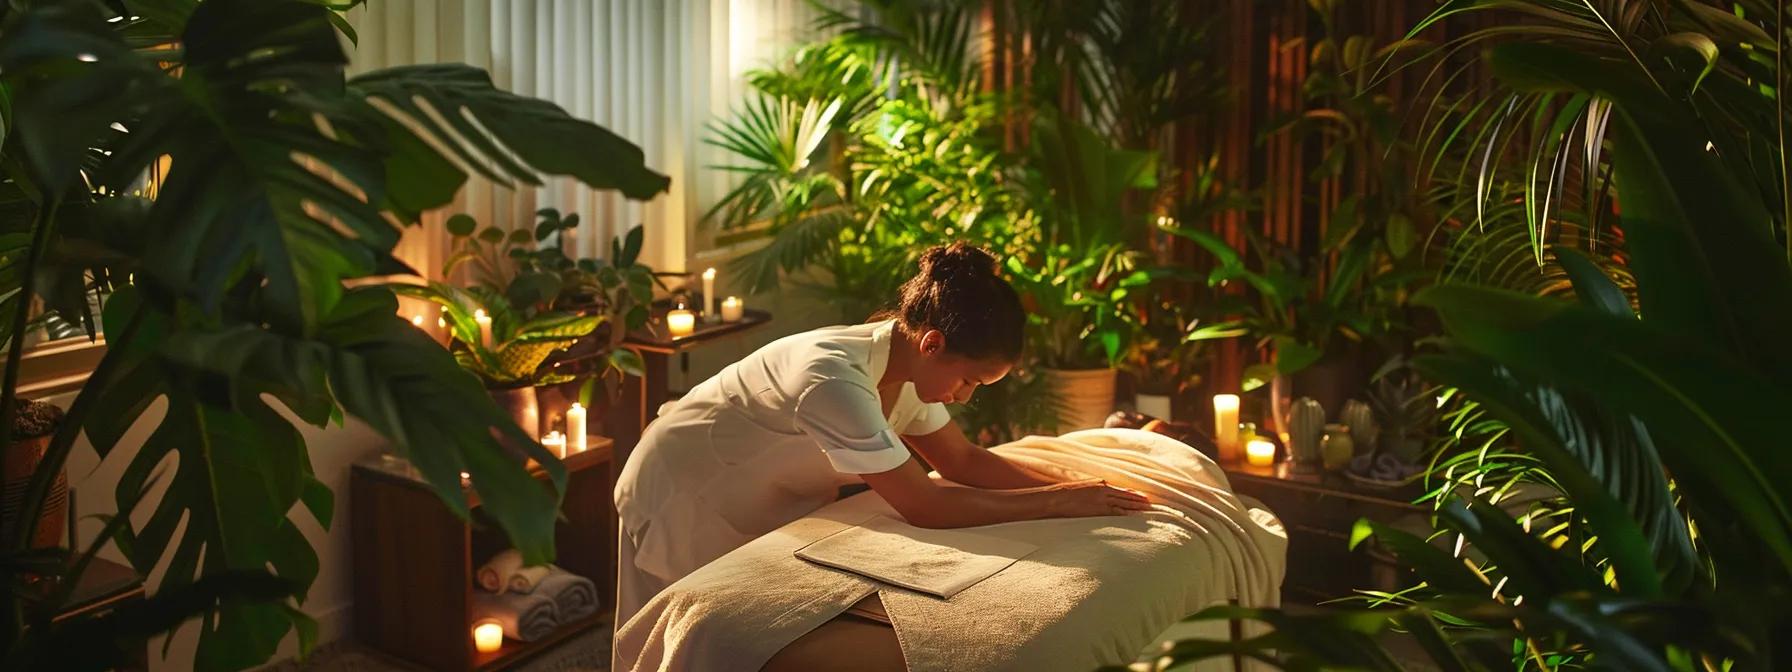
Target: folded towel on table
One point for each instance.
(574, 596)
(525, 579)
(525, 618)
(496, 572)
(937, 562)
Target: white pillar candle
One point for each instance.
(575, 427)
(681, 322)
(732, 309)
(485, 328)
(1225, 426)
(1261, 453)
(709, 295)
(488, 636)
(555, 443)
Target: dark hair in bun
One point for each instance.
(958, 293)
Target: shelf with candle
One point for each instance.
(555, 442)
(1260, 453)
(1225, 426)
(575, 428)
(710, 313)
(732, 309)
(681, 322)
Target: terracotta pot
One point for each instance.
(1084, 398)
(38, 422)
(521, 405)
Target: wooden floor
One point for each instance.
(589, 652)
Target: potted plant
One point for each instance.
(33, 425)
(238, 302)
(1167, 360)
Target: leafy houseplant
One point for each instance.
(232, 295)
(1669, 546)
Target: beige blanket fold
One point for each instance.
(937, 562)
(1095, 591)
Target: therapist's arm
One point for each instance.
(925, 502)
(956, 458)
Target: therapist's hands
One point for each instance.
(1095, 497)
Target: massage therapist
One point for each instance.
(772, 437)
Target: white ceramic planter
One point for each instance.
(1085, 398)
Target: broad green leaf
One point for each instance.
(460, 225)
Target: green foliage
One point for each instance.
(233, 295)
(521, 340)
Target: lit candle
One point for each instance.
(1260, 453)
(466, 479)
(555, 443)
(709, 295)
(1225, 426)
(417, 321)
(575, 427)
(488, 636)
(485, 328)
(681, 322)
(732, 309)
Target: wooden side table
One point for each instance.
(415, 560)
(641, 397)
(105, 586)
(1318, 512)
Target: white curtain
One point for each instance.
(656, 72)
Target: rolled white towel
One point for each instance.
(525, 579)
(495, 574)
(525, 618)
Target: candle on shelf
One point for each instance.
(488, 636)
(709, 295)
(575, 427)
(555, 443)
(681, 322)
(1225, 426)
(732, 309)
(485, 328)
(417, 321)
(1260, 453)
(466, 479)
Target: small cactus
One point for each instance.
(1306, 424)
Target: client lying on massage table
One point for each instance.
(850, 586)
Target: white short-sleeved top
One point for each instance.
(767, 440)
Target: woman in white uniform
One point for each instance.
(772, 437)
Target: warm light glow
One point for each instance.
(732, 309)
(709, 296)
(485, 328)
(681, 322)
(1261, 453)
(488, 636)
(1225, 426)
(575, 427)
(417, 321)
(555, 443)
(709, 274)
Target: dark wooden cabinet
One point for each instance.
(415, 560)
(1318, 512)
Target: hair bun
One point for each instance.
(959, 259)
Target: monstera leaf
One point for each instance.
(283, 183)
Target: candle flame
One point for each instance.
(417, 320)
(709, 274)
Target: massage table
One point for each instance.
(1092, 592)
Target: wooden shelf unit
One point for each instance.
(414, 562)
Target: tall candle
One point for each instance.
(1260, 453)
(709, 295)
(555, 443)
(575, 427)
(1225, 426)
(681, 322)
(488, 636)
(485, 328)
(732, 309)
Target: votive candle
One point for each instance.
(575, 427)
(488, 636)
(681, 322)
(1225, 426)
(732, 309)
(709, 295)
(1260, 453)
(555, 443)
(485, 328)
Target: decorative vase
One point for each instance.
(1084, 398)
(1306, 424)
(32, 429)
(1360, 419)
(1280, 401)
(1337, 448)
(1154, 405)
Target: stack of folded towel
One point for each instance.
(531, 602)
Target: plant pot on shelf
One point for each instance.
(521, 405)
(1084, 397)
(35, 424)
